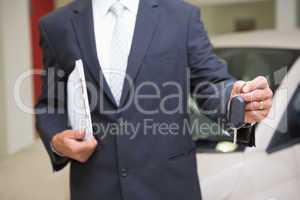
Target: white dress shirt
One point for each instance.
(104, 22)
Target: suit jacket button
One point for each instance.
(124, 173)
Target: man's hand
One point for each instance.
(257, 96)
(69, 143)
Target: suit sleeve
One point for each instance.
(50, 110)
(210, 82)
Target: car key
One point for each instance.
(236, 115)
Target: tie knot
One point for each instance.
(117, 8)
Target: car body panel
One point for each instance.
(282, 96)
(297, 158)
(255, 174)
(212, 175)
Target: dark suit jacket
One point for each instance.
(169, 42)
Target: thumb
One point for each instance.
(237, 88)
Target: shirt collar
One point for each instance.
(102, 6)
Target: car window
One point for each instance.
(287, 132)
(244, 64)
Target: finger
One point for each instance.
(87, 145)
(255, 116)
(237, 87)
(92, 143)
(77, 135)
(77, 147)
(257, 95)
(84, 155)
(259, 82)
(257, 105)
(85, 150)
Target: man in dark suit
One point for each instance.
(142, 58)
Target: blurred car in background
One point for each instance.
(271, 170)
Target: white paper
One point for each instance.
(78, 102)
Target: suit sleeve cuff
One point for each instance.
(59, 160)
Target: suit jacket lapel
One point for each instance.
(146, 22)
(83, 24)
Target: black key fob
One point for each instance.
(236, 113)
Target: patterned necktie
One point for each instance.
(119, 52)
